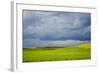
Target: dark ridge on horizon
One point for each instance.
(58, 46)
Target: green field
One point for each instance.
(78, 52)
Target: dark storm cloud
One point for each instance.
(44, 26)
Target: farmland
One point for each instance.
(39, 54)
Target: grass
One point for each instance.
(78, 52)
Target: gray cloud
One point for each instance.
(46, 26)
(28, 43)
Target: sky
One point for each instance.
(55, 28)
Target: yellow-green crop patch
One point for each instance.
(78, 52)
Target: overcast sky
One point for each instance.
(46, 28)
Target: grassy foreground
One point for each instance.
(79, 52)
